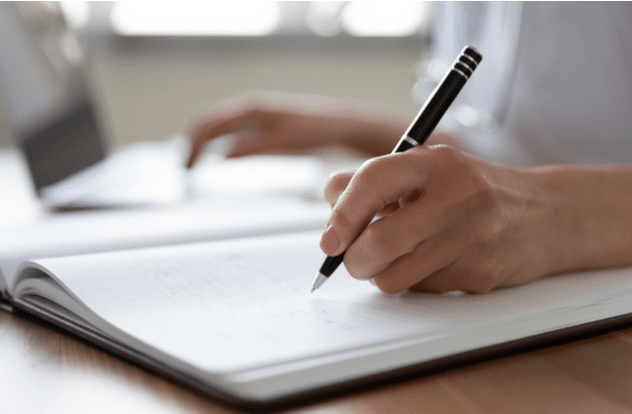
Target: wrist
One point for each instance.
(588, 221)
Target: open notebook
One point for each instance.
(235, 318)
(203, 219)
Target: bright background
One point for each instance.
(155, 63)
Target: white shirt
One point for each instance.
(555, 83)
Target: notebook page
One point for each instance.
(103, 230)
(231, 304)
(239, 304)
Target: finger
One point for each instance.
(439, 251)
(377, 184)
(388, 209)
(335, 186)
(197, 141)
(442, 281)
(456, 278)
(221, 125)
(396, 235)
(339, 182)
(447, 261)
(247, 142)
(210, 130)
(408, 270)
(478, 271)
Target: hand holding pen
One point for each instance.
(456, 222)
(420, 129)
(447, 220)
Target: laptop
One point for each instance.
(56, 124)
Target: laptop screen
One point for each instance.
(53, 118)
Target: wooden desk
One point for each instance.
(45, 371)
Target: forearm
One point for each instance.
(371, 130)
(591, 223)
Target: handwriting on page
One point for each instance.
(251, 297)
(247, 297)
(232, 289)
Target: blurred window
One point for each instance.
(254, 18)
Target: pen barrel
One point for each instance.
(436, 106)
(330, 264)
(440, 99)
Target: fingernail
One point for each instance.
(330, 242)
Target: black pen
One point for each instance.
(422, 126)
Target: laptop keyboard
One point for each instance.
(144, 173)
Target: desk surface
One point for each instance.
(46, 371)
(43, 370)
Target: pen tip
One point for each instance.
(318, 281)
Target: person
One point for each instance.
(528, 177)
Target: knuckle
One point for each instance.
(378, 243)
(387, 285)
(252, 109)
(360, 262)
(461, 166)
(439, 289)
(481, 235)
(484, 194)
(369, 180)
(481, 289)
(482, 277)
(446, 154)
(369, 171)
(374, 177)
(440, 282)
(364, 258)
(335, 186)
(492, 234)
(355, 264)
(416, 163)
(480, 198)
(340, 221)
(253, 97)
(252, 104)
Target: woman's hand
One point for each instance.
(448, 221)
(268, 122)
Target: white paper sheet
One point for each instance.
(241, 304)
(208, 219)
